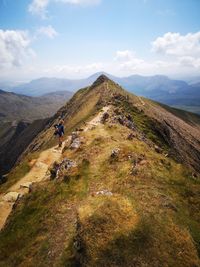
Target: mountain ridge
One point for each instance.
(107, 94)
(160, 88)
(116, 196)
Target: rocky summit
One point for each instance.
(123, 190)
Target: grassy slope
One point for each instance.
(151, 220)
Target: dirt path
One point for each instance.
(37, 173)
(97, 120)
(21, 187)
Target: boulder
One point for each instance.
(11, 197)
(104, 117)
(59, 168)
(115, 153)
(75, 144)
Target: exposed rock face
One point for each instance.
(126, 121)
(59, 169)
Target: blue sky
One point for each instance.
(75, 38)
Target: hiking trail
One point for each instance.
(37, 173)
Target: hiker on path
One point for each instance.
(59, 131)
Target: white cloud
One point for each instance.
(48, 31)
(124, 55)
(14, 48)
(176, 44)
(128, 61)
(181, 50)
(39, 7)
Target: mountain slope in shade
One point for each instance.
(21, 107)
(21, 119)
(15, 140)
(125, 191)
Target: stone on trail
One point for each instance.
(104, 192)
(11, 197)
(28, 185)
(40, 164)
(75, 144)
(74, 136)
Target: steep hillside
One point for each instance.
(21, 120)
(15, 140)
(124, 192)
(21, 107)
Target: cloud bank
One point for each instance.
(172, 54)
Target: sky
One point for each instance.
(76, 38)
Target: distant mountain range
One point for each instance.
(21, 107)
(176, 93)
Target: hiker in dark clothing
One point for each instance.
(59, 131)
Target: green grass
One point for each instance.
(144, 124)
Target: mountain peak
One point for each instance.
(101, 79)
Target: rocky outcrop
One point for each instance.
(58, 170)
